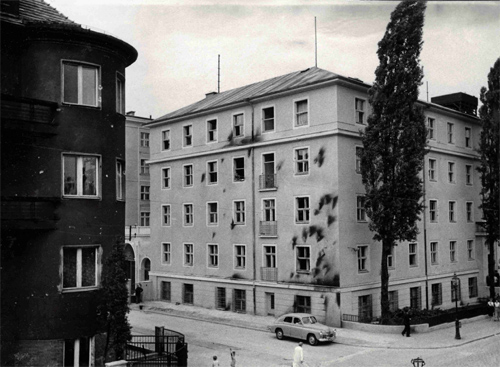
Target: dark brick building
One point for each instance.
(62, 184)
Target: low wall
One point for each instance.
(394, 329)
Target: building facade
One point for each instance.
(259, 204)
(63, 188)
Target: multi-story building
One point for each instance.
(137, 208)
(259, 204)
(63, 189)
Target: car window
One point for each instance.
(288, 319)
(306, 320)
(296, 320)
(313, 320)
(309, 320)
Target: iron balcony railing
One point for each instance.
(268, 182)
(269, 274)
(268, 228)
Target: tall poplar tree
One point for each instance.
(395, 140)
(489, 170)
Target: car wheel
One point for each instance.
(311, 339)
(279, 334)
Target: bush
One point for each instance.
(436, 316)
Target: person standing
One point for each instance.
(138, 293)
(233, 357)
(491, 304)
(298, 356)
(407, 320)
(215, 362)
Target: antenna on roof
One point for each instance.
(315, 45)
(218, 75)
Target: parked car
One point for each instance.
(302, 326)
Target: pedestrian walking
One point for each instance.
(497, 309)
(215, 362)
(233, 357)
(407, 320)
(298, 356)
(138, 293)
(491, 304)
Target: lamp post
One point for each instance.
(455, 281)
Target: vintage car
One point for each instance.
(302, 326)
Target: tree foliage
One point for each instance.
(489, 169)
(394, 140)
(114, 307)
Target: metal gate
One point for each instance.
(165, 348)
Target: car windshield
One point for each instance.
(309, 320)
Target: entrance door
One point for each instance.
(270, 304)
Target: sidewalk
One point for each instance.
(477, 328)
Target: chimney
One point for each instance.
(210, 94)
(131, 113)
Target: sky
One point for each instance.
(179, 43)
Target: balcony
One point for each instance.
(268, 229)
(269, 274)
(30, 213)
(268, 182)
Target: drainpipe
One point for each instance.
(254, 240)
(425, 240)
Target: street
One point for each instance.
(256, 348)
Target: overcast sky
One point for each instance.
(178, 43)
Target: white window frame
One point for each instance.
(237, 213)
(145, 219)
(451, 172)
(362, 258)
(434, 252)
(469, 214)
(263, 120)
(144, 137)
(435, 210)
(242, 126)
(391, 259)
(413, 254)
(166, 253)
(79, 268)
(120, 180)
(186, 246)
(186, 215)
(296, 113)
(166, 178)
(453, 251)
(431, 125)
(186, 136)
(210, 172)
(80, 66)
(211, 214)
(273, 209)
(166, 139)
(120, 93)
(213, 256)
(145, 192)
(360, 209)
(304, 162)
(432, 169)
(214, 132)
(357, 164)
(273, 255)
(238, 255)
(362, 111)
(450, 129)
(471, 249)
(166, 215)
(307, 259)
(469, 175)
(468, 137)
(234, 169)
(185, 175)
(144, 167)
(306, 211)
(452, 208)
(79, 179)
(77, 349)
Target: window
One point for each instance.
(359, 152)
(302, 210)
(450, 132)
(220, 295)
(80, 267)
(437, 294)
(81, 176)
(238, 125)
(468, 174)
(453, 251)
(165, 178)
(365, 308)
(212, 172)
(144, 167)
(212, 214)
(433, 211)
(240, 302)
(268, 119)
(360, 110)
(188, 175)
(456, 292)
(165, 139)
(301, 113)
(166, 290)
(144, 219)
(239, 169)
(430, 128)
(451, 172)
(166, 253)
(79, 352)
(390, 259)
(469, 211)
(240, 256)
(470, 250)
(412, 254)
(268, 178)
(213, 256)
(188, 135)
(432, 170)
(188, 215)
(468, 143)
(393, 301)
(188, 294)
(166, 215)
(120, 180)
(144, 139)
(362, 258)
(269, 211)
(360, 209)
(120, 94)
(80, 84)
(188, 254)
(302, 304)
(301, 161)
(146, 268)
(239, 212)
(303, 259)
(144, 192)
(211, 131)
(415, 298)
(451, 211)
(269, 256)
(472, 287)
(434, 253)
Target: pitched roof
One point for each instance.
(278, 84)
(31, 11)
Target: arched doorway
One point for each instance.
(130, 268)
